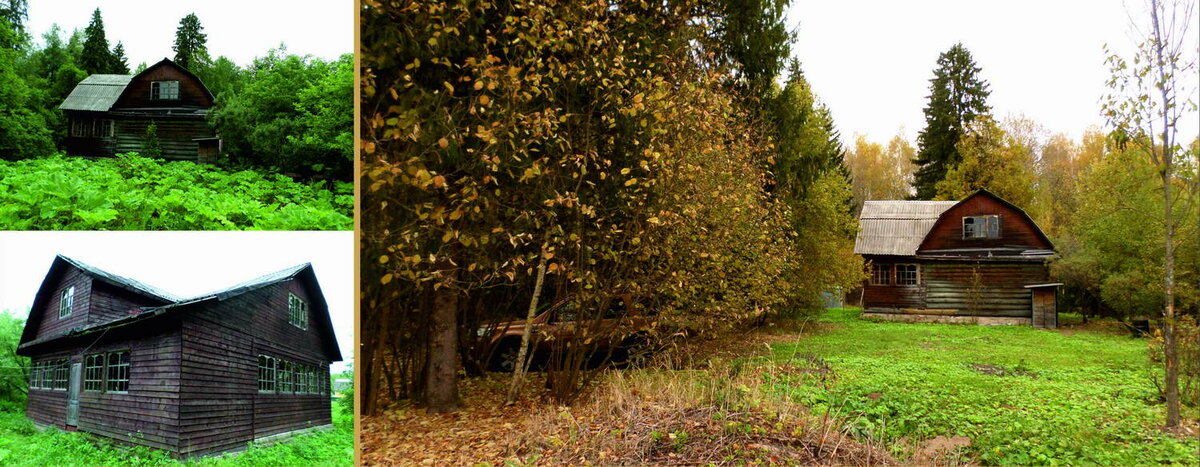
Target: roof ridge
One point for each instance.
(122, 280)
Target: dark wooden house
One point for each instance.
(979, 260)
(108, 114)
(126, 361)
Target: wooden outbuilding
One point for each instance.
(979, 260)
(108, 114)
(126, 361)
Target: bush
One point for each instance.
(131, 192)
(1187, 346)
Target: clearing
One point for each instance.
(834, 390)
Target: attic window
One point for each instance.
(297, 312)
(164, 90)
(66, 303)
(981, 226)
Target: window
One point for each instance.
(266, 373)
(297, 312)
(981, 226)
(93, 372)
(92, 128)
(907, 274)
(118, 372)
(66, 302)
(60, 375)
(164, 90)
(881, 274)
(285, 376)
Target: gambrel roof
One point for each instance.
(98, 93)
(171, 304)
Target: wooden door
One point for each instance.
(1045, 308)
(73, 386)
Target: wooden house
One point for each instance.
(978, 260)
(126, 361)
(108, 114)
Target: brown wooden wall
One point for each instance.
(48, 406)
(137, 93)
(1015, 228)
(50, 324)
(175, 136)
(894, 296)
(983, 289)
(109, 302)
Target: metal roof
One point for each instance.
(96, 93)
(258, 282)
(121, 281)
(896, 227)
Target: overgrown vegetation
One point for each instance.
(21, 443)
(130, 192)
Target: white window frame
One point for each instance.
(93, 372)
(916, 274)
(66, 302)
(121, 370)
(982, 227)
(297, 311)
(887, 278)
(166, 90)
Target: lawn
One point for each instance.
(1022, 396)
(22, 444)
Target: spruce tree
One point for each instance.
(120, 64)
(96, 57)
(956, 97)
(191, 49)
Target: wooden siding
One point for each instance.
(50, 323)
(109, 302)
(894, 296)
(219, 382)
(982, 289)
(49, 406)
(137, 93)
(1016, 230)
(175, 136)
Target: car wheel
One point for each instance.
(506, 358)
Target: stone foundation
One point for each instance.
(946, 319)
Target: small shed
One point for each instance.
(126, 361)
(109, 114)
(977, 260)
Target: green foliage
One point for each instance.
(13, 368)
(807, 145)
(23, 128)
(13, 14)
(96, 58)
(130, 192)
(1023, 396)
(751, 37)
(151, 147)
(22, 444)
(191, 49)
(293, 115)
(222, 76)
(120, 62)
(956, 97)
(992, 160)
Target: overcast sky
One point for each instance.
(186, 264)
(871, 61)
(238, 29)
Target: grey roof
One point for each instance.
(121, 281)
(96, 93)
(896, 227)
(257, 282)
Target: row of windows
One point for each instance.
(106, 372)
(92, 128)
(66, 302)
(285, 377)
(297, 312)
(48, 374)
(906, 274)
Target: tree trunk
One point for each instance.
(441, 383)
(518, 376)
(1170, 353)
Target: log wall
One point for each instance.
(983, 289)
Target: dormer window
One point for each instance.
(66, 302)
(981, 226)
(164, 90)
(297, 312)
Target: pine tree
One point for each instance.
(957, 96)
(120, 64)
(191, 49)
(96, 57)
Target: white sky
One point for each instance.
(871, 61)
(238, 29)
(186, 264)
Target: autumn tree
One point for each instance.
(992, 160)
(1150, 92)
(880, 172)
(957, 96)
(191, 44)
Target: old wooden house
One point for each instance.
(979, 260)
(123, 360)
(108, 114)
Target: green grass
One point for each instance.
(129, 192)
(22, 444)
(1083, 398)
